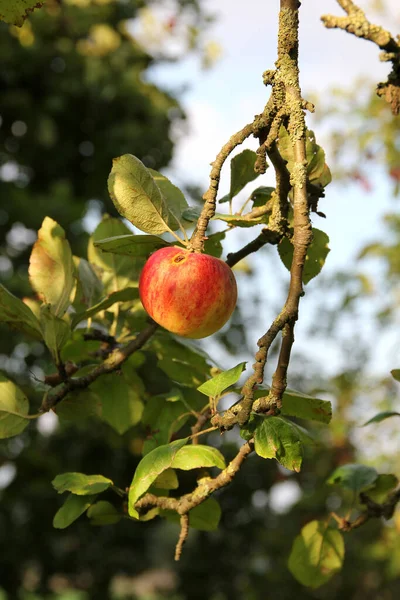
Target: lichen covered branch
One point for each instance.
(286, 78)
(357, 23)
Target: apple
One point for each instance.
(188, 293)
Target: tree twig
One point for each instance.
(357, 23)
(374, 510)
(205, 487)
(111, 364)
(184, 522)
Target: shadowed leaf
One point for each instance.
(354, 477)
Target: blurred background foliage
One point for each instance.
(75, 95)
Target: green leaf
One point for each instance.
(242, 171)
(275, 437)
(225, 198)
(163, 418)
(204, 517)
(195, 457)
(213, 245)
(316, 254)
(317, 170)
(132, 245)
(167, 480)
(125, 295)
(14, 12)
(354, 477)
(261, 195)
(325, 177)
(241, 221)
(121, 406)
(383, 486)
(73, 507)
(297, 404)
(103, 513)
(56, 332)
(149, 468)
(80, 484)
(138, 198)
(18, 315)
(89, 288)
(382, 416)
(181, 361)
(51, 267)
(14, 408)
(191, 214)
(79, 405)
(396, 374)
(218, 384)
(173, 196)
(118, 272)
(317, 554)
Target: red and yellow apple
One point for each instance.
(188, 293)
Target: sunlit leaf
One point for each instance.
(167, 480)
(197, 456)
(149, 468)
(241, 221)
(138, 198)
(317, 554)
(51, 267)
(174, 198)
(276, 437)
(80, 484)
(118, 272)
(218, 384)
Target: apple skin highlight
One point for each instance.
(187, 293)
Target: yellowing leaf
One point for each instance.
(51, 267)
(317, 554)
(80, 484)
(15, 12)
(14, 408)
